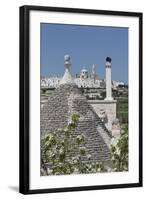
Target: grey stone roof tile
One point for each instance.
(66, 100)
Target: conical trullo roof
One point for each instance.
(66, 100)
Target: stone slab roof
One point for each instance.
(66, 100)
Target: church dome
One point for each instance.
(84, 70)
(84, 73)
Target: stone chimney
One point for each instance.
(108, 79)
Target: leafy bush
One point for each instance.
(119, 152)
(57, 155)
(57, 152)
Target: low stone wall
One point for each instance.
(106, 110)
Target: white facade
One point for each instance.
(53, 82)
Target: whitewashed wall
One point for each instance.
(110, 110)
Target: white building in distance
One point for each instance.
(83, 80)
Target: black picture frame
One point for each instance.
(24, 147)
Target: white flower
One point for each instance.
(60, 164)
(76, 171)
(66, 129)
(49, 171)
(59, 129)
(61, 151)
(88, 156)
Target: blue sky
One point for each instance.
(87, 45)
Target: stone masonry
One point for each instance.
(106, 107)
(66, 100)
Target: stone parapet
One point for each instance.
(106, 110)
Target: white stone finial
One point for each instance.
(67, 78)
(108, 79)
(67, 62)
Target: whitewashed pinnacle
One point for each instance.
(67, 78)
